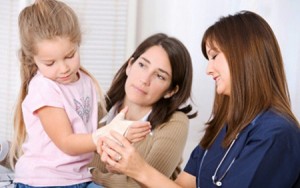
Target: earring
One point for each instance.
(167, 96)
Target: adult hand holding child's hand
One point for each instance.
(134, 131)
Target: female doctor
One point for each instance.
(252, 139)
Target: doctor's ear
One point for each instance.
(172, 92)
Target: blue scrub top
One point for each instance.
(266, 153)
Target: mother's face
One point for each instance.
(149, 77)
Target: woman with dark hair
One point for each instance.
(155, 83)
(252, 138)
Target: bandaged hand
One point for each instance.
(118, 124)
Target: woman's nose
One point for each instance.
(145, 79)
(209, 68)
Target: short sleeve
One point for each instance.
(193, 164)
(42, 92)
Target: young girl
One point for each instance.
(58, 104)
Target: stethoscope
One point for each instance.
(218, 181)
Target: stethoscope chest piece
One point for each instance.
(217, 183)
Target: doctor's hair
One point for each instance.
(258, 80)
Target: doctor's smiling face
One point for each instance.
(218, 68)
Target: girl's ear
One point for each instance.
(129, 64)
(172, 92)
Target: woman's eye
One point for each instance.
(141, 64)
(161, 77)
(214, 56)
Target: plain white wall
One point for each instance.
(188, 19)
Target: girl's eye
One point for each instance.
(49, 64)
(70, 56)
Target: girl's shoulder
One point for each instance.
(40, 82)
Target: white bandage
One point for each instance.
(118, 124)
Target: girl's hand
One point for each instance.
(133, 130)
(118, 124)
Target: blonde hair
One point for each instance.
(45, 19)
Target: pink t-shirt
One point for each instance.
(44, 164)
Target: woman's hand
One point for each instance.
(97, 177)
(111, 169)
(122, 156)
(134, 131)
(138, 131)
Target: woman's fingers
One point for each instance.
(121, 140)
(130, 161)
(138, 127)
(107, 158)
(138, 131)
(112, 150)
(141, 125)
(99, 146)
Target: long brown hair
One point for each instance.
(182, 75)
(45, 19)
(258, 80)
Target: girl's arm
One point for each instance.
(58, 127)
